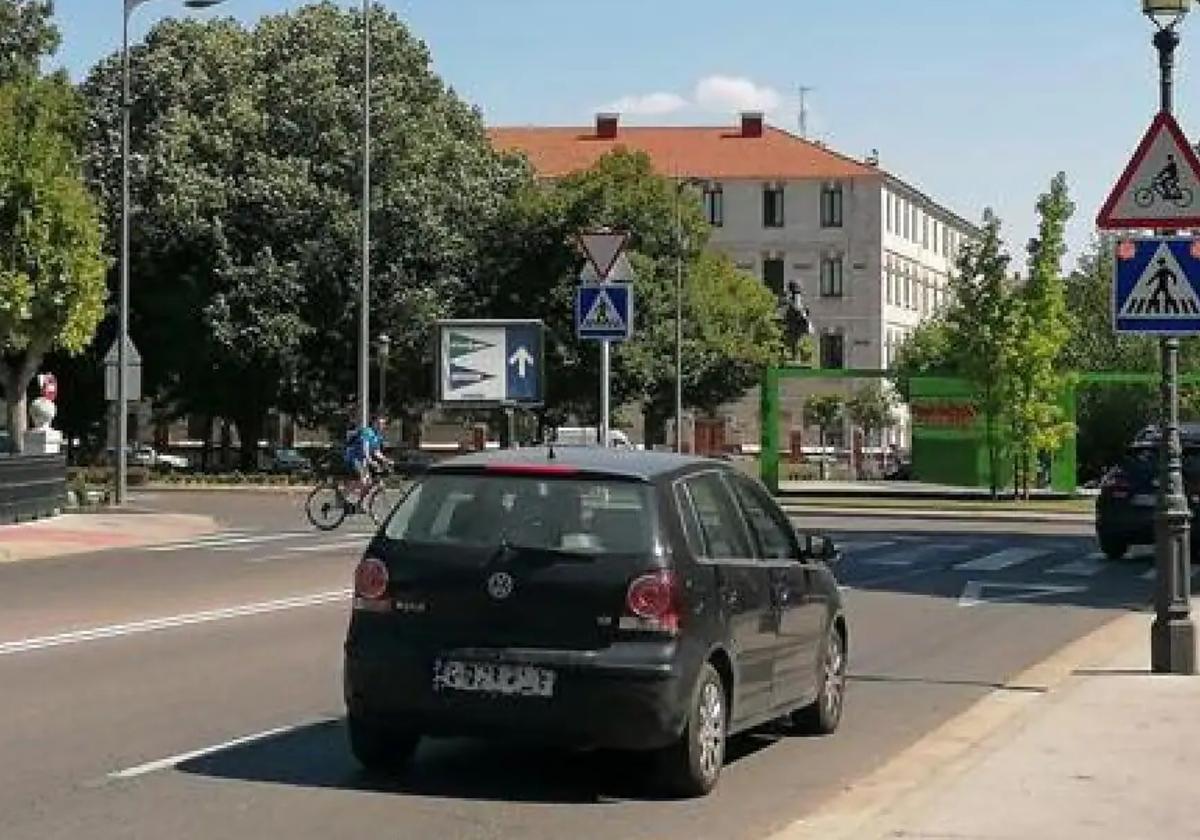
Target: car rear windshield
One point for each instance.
(577, 515)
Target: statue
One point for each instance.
(797, 321)
(41, 439)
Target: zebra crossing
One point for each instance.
(279, 544)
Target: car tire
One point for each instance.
(1113, 549)
(380, 750)
(691, 766)
(822, 715)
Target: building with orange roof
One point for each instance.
(869, 254)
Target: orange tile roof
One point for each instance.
(718, 153)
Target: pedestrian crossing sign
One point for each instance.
(1157, 286)
(604, 311)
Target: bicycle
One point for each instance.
(329, 503)
(1180, 196)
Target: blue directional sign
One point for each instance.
(604, 311)
(1157, 286)
(490, 363)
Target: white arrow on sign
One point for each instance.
(522, 359)
(975, 592)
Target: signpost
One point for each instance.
(490, 364)
(132, 382)
(1155, 292)
(603, 307)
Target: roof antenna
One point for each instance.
(804, 92)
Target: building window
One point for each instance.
(773, 275)
(831, 205)
(924, 231)
(906, 219)
(833, 351)
(831, 276)
(907, 289)
(773, 207)
(914, 213)
(887, 200)
(887, 280)
(714, 205)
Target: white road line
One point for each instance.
(1152, 573)
(168, 622)
(1081, 568)
(865, 545)
(1001, 559)
(176, 760)
(333, 546)
(975, 592)
(233, 543)
(910, 555)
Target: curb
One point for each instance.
(869, 807)
(223, 488)
(924, 513)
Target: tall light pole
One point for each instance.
(364, 323)
(1173, 634)
(680, 185)
(123, 303)
(385, 346)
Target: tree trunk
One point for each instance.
(250, 430)
(991, 444)
(206, 447)
(821, 457)
(16, 379)
(654, 426)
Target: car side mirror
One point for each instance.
(820, 548)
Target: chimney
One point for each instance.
(752, 123)
(606, 125)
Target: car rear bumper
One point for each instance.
(1132, 524)
(628, 696)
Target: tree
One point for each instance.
(980, 325)
(51, 243)
(928, 351)
(27, 33)
(246, 184)
(1042, 327)
(871, 409)
(825, 412)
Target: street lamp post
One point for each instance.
(385, 346)
(123, 303)
(364, 325)
(1173, 634)
(680, 184)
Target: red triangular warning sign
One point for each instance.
(1160, 188)
(602, 248)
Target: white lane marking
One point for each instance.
(975, 592)
(1001, 559)
(218, 537)
(1152, 573)
(176, 760)
(911, 555)
(864, 545)
(168, 622)
(333, 546)
(235, 543)
(1081, 568)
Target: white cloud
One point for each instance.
(651, 104)
(730, 94)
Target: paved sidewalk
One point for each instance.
(79, 533)
(1109, 753)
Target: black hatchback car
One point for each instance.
(1128, 498)
(593, 598)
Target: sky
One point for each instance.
(977, 103)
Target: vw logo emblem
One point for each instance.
(500, 585)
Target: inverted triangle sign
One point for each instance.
(603, 248)
(1160, 188)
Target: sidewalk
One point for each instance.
(79, 533)
(1108, 753)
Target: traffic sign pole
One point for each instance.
(1173, 634)
(597, 316)
(605, 389)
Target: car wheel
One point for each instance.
(822, 716)
(1113, 549)
(692, 766)
(380, 750)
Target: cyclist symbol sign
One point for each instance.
(1160, 189)
(1157, 286)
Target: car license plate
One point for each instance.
(493, 678)
(1144, 500)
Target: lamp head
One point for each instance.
(1166, 13)
(202, 4)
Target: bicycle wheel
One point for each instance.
(379, 503)
(1143, 197)
(326, 507)
(1184, 199)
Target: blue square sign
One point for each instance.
(604, 311)
(1156, 290)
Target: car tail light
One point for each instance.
(1116, 485)
(558, 470)
(370, 583)
(653, 603)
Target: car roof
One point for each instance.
(1189, 434)
(636, 464)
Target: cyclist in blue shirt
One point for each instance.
(364, 454)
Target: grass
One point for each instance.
(1032, 506)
